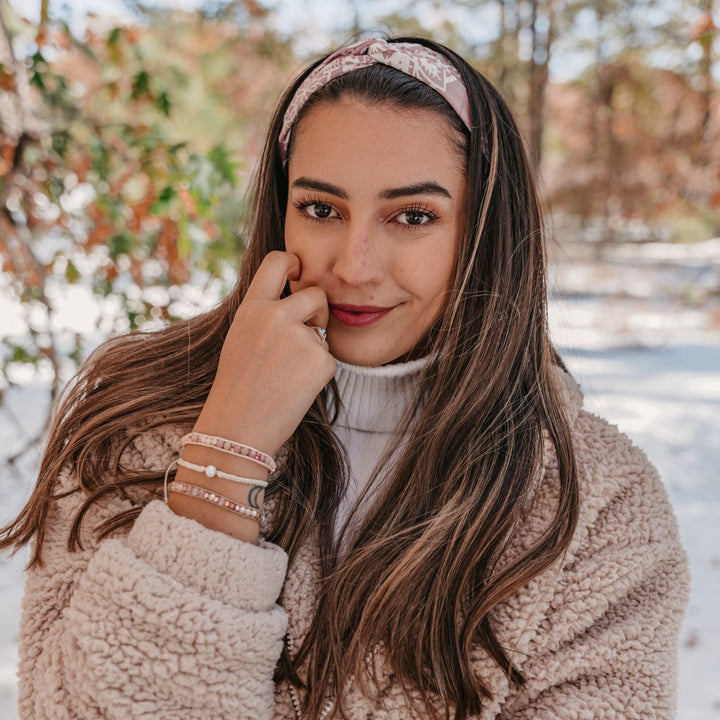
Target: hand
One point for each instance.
(272, 364)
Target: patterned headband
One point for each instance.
(413, 59)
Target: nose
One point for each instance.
(358, 260)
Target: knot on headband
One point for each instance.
(412, 59)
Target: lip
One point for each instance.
(358, 315)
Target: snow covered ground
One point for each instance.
(641, 331)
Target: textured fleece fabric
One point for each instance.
(171, 620)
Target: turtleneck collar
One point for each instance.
(374, 398)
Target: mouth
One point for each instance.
(358, 315)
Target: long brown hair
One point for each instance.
(421, 575)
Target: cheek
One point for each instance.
(312, 259)
(431, 275)
(437, 282)
(296, 243)
(447, 262)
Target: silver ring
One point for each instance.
(321, 332)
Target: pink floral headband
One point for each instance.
(413, 59)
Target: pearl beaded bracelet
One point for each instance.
(211, 471)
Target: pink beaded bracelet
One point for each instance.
(231, 448)
(220, 500)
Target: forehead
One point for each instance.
(376, 141)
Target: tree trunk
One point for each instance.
(502, 76)
(707, 34)
(538, 75)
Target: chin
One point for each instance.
(362, 359)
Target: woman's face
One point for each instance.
(374, 213)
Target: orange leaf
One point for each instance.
(7, 80)
(702, 27)
(62, 39)
(255, 9)
(118, 184)
(211, 230)
(178, 272)
(132, 34)
(81, 167)
(187, 202)
(140, 211)
(98, 236)
(168, 240)
(32, 278)
(7, 153)
(33, 221)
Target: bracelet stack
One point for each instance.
(230, 447)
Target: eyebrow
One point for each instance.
(421, 188)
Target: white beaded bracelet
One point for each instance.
(211, 471)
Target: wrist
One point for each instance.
(220, 483)
(215, 518)
(253, 433)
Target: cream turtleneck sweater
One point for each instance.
(374, 400)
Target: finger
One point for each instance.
(309, 306)
(275, 270)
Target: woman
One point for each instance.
(383, 497)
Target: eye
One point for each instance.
(316, 210)
(416, 216)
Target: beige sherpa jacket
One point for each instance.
(172, 620)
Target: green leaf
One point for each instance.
(120, 244)
(163, 104)
(77, 353)
(36, 59)
(220, 159)
(140, 85)
(100, 157)
(72, 274)
(20, 354)
(132, 317)
(174, 149)
(104, 287)
(55, 187)
(60, 140)
(31, 293)
(164, 200)
(36, 79)
(185, 245)
(114, 36)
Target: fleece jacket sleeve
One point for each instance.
(607, 644)
(170, 621)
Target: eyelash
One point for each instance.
(431, 216)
